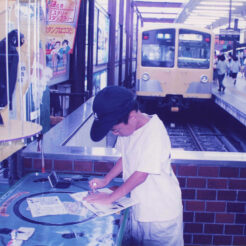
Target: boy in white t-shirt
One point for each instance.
(145, 162)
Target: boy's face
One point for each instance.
(123, 129)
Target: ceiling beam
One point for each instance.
(186, 10)
(239, 13)
(219, 22)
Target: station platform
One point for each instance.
(69, 141)
(233, 99)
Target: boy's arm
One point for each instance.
(114, 172)
(96, 183)
(133, 181)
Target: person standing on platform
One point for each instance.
(157, 218)
(244, 67)
(222, 69)
(215, 70)
(235, 68)
(229, 60)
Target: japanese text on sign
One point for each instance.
(61, 12)
(59, 30)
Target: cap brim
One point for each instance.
(100, 129)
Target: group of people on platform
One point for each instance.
(227, 66)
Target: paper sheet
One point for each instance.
(102, 210)
(42, 206)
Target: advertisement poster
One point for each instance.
(99, 81)
(61, 24)
(102, 38)
(117, 43)
(222, 44)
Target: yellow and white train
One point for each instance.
(175, 65)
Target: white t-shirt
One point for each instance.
(235, 66)
(222, 67)
(148, 150)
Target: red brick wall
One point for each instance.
(214, 198)
(77, 166)
(214, 201)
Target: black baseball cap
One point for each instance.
(110, 105)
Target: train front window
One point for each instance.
(158, 48)
(193, 49)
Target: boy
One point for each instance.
(146, 165)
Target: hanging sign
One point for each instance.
(229, 34)
(61, 24)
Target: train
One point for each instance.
(174, 65)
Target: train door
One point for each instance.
(194, 63)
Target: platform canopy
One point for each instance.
(211, 14)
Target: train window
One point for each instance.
(158, 48)
(193, 49)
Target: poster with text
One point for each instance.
(61, 24)
(102, 38)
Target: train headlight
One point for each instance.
(145, 77)
(204, 79)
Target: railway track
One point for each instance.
(211, 129)
(194, 137)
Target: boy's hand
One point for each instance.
(97, 183)
(99, 197)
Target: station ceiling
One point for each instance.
(213, 14)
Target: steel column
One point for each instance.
(77, 64)
(111, 63)
(121, 21)
(90, 47)
(128, 7)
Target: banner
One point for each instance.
(102, 38)
(61, 24)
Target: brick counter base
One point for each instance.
(214, 197)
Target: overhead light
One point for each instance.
(198, 21)
(154, 24)
(211, 12)
(197, 25)
(214, 8)
(160, 1)
(204, 15)
(196, 16)
(224, 3)
(200, 17)
(159, 15)
(158, 10)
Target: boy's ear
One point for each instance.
(132, 115)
